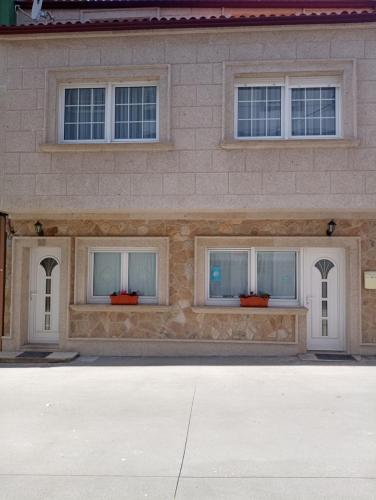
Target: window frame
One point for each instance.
(124, 253)
(109, 128)
(252, 276)
(287, 83)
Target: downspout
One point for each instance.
(3, 246)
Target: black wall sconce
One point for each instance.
(331, 228)
(39, 228)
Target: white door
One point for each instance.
(44, 295)
(324, 287)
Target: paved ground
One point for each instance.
(115, 429)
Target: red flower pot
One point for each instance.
(254, 301)
(124, 300)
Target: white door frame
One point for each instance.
(44, 327)
(336, 302)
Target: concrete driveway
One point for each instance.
(114, 428)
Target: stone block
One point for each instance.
(212, 183)
(228, 161)
(207, 138)
(183, 184)
(371, 183)
(12, 120)
(35, 163)
(116, 52)
(84, 57)
(347, 49)
(131, 162)
(245, 183)
(19, 185)
(194, 116)
(330, 159)
(19, 142)
(347, 183)
(246, 52)
(149, 52)
(195, 74)
(296, 160)
(21, 55)
(14, 79)
(115, 184)
(312, 182)
(362, 159)
(209, 95)
(278, 182)
(195, 161)
(313, 50)
(213, 52)
(367, 113)
(21, 100)
(184, 138)
(183, 95)
(262, 160)
(33, 79)
(53, 57)
(51, 184)
(367, 70)
(82, 184)
(163, 161)
(32, 119)
(180, 51)
(66, 163)
(10, 163)
(97, 163)
(279, 50)
(147, 184)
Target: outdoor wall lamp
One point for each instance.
(331, 228)
(39, 228)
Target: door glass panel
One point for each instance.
(48, 264)
(324, 287)
(324, 309)
(324, 332)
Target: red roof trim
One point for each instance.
(193, 22)
(260, 4)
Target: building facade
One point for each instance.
(190, 152)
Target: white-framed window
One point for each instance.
(113, 269)
(288, 108)
(111, 112)
(233, 272)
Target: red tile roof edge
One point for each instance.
(260, 4)
(192, 22)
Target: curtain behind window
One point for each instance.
(228, 274)
(276, 274)
(142, 273)
(106, 273)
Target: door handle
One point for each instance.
(32, 294)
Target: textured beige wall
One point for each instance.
(196, 173)
(181, 322)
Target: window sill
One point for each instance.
(140, 308)
(106, 147)
(284, 311)
(290, 143)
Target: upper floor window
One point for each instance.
(109, 113)
(286, 108)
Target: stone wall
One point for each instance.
(181, 322)
(197, 172)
